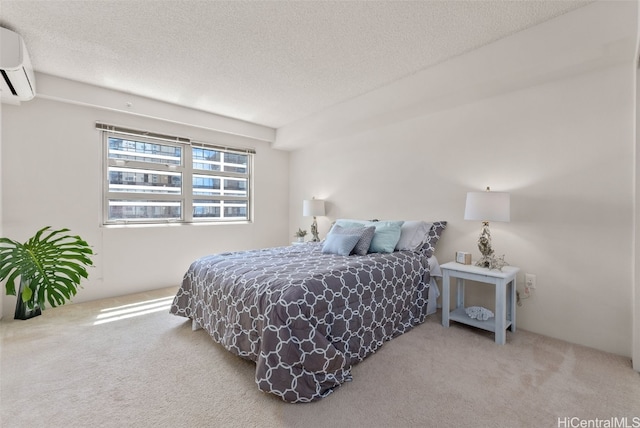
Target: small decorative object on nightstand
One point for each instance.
(462, 257)
(300, 234)
(505, 297)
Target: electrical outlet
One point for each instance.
(529, 280)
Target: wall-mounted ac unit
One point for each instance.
(18, 82)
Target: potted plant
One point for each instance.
(50, 266)
(300, 234)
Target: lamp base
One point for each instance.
(314, 231)
(484, 262)
(488, 259)
(492, 262)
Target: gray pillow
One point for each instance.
(433, 236)
(365, 234)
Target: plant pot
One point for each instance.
(300, 238)
(22, 308)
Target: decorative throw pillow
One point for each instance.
(413, 234)
(365, 233)
(339, 244)
(429, 245)
(386, 237)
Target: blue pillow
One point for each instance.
(386, 237)
(339, 244)
(365, 234)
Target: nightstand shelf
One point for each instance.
(505, 297)
(460, 315)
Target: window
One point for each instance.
(150, 178)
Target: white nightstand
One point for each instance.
(505, 296)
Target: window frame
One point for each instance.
(186, 197)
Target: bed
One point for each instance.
(304, 314)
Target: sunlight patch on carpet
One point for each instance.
(133, 310)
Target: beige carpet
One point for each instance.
(97, 365)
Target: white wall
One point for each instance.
(636, 206)
(561, 142)
(2, 287)
(51, 175)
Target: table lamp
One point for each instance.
(485, 207)
(313, 207)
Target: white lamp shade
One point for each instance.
(488, 206)
(312, 207)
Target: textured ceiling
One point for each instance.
(266, 62)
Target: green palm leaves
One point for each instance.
(50, 265)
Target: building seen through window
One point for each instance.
(157, 181)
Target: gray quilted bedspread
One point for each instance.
(304, 317)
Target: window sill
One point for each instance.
(173, 224)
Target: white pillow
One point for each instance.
(413, 234)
